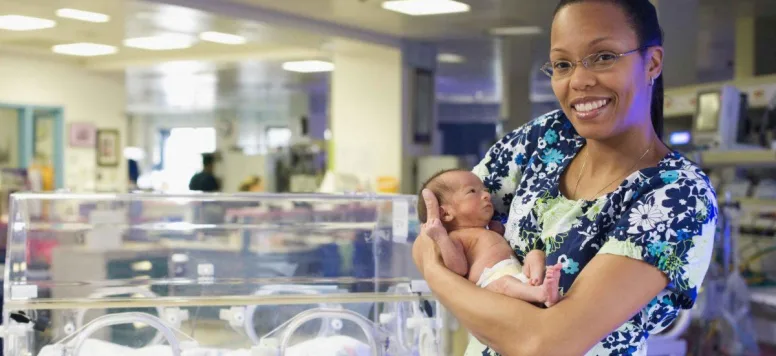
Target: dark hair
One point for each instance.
(642, 16)
(208, 159)
(438, 187)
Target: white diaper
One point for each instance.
(508, 267)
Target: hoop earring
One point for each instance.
(651, 81)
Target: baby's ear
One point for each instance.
(446, 214)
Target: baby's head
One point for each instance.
(463, 200)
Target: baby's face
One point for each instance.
(469, 203)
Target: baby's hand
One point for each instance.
(533, 267)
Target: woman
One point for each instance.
(594, 187)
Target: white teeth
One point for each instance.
(590, 105)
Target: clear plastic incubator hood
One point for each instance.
(216, 275)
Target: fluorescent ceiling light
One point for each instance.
(308, 66)
(24, 23)
(182, 67)
(516, 31)
(449, 58)
(84, 49)
(81, 15)
(223, 38)
(425, 7)
(160, 42)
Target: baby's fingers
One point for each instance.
(527, 274)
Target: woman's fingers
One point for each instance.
(496, 226)
(424, 250)
(432, 205)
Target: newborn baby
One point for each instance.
(481, 254)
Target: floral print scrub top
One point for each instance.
(664, 215)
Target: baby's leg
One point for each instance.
(512, 287)
(546, 293)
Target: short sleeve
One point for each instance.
(670, 223)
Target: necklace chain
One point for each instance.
(584, 164)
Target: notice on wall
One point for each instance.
(401, 210)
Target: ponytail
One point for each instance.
(656, 109)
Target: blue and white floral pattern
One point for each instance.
(664, 215)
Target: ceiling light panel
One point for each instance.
(426, 7)
(312, 66)
(84, 49)
(516, 31)
(223, 38)
(24, 23)
(449, 58)
(82, 15)
(160, 42)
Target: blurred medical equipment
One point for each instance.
(716, 123)
(723, 307)
(728, 130)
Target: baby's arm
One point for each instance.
(452, 250)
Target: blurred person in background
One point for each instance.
(206, 181)
(253, 184)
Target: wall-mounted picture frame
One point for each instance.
(108, 148)
(83, 134)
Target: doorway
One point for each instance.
(180, 153)
(33, 138)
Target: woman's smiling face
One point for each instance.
(606, 102)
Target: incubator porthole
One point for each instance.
(336, 324)
(69, 328)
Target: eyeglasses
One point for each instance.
(595, 62)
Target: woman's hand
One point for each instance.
(425, 251)
(497, 227)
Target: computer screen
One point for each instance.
(709, 105)
(679, 138)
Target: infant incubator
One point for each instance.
(216, 275)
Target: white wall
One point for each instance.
(366, 112)
(85, 96)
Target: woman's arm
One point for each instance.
(608, 292)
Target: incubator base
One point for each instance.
(327, 346)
